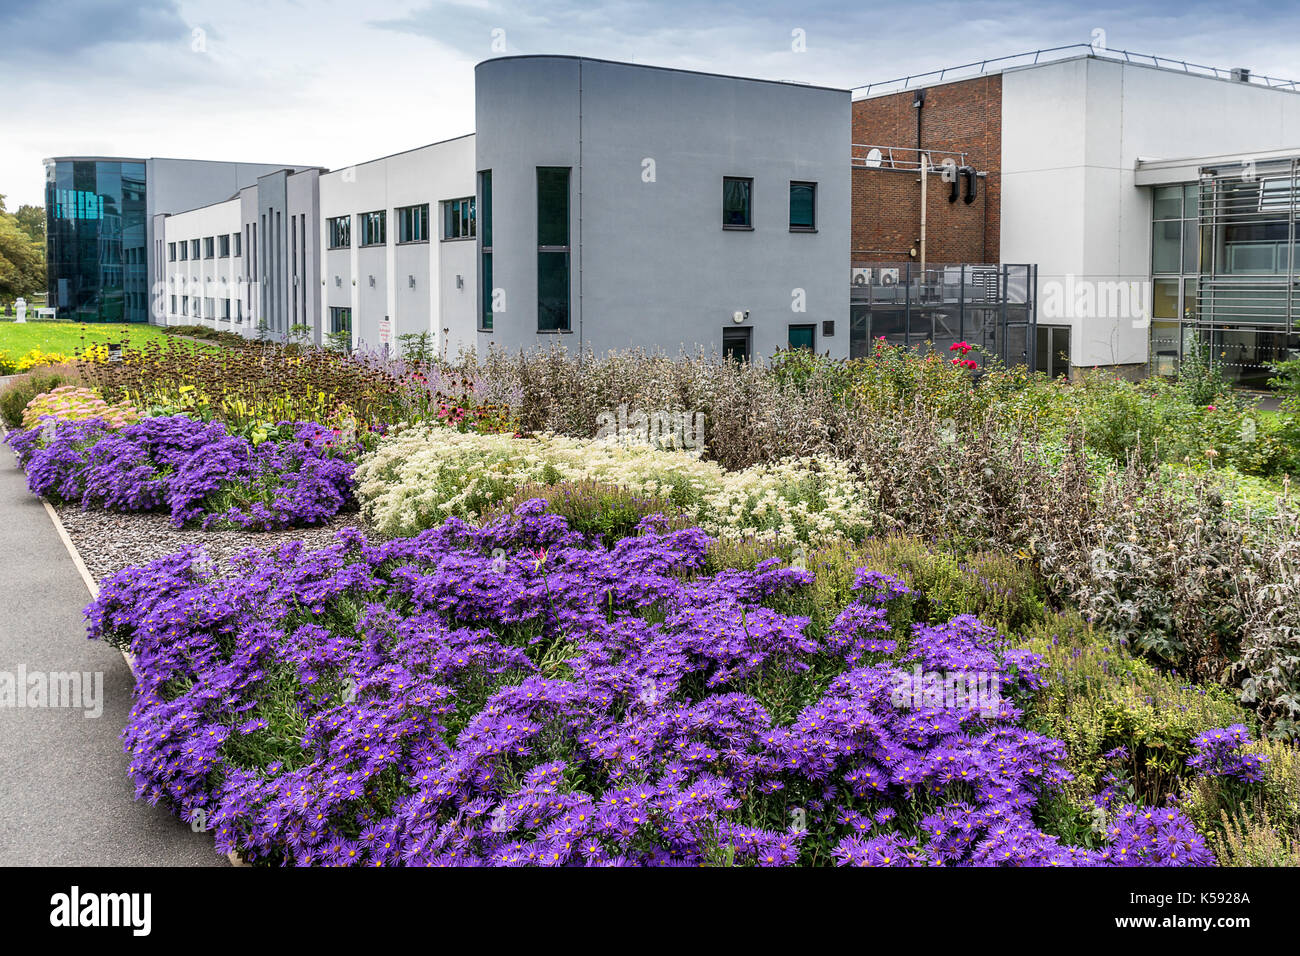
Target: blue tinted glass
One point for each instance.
(95, 223)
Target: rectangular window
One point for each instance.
(737, 203)
(210, 308)
(185, 305)
(413, 224)
(552, 248)
(238, 249)
(458, 218)
(339, 230)
(736, 343)
(803, 337)
(1166, 253)
(485, 251)
(225, 309)
(209, 248)
(374, 228)
(340, 320)
(803, 207)
(194, 248)
(173, 308)
(171, 252)
(185, 250)
(223, 246)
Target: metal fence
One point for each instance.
(992, 306)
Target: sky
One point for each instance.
(335, 82)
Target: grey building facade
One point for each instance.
(623, 205)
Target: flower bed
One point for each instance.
(517, 694)
(419, 477)
(196, 470)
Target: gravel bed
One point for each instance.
(109, 541)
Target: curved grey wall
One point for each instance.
(651, 264)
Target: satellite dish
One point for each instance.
(873, 158)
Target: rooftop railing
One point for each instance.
(1049, 54)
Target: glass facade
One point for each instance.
(96, 244)
(1224, 270)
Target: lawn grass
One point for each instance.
(69, 338)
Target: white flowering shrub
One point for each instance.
(418, 477)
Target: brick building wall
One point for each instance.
(965, 116)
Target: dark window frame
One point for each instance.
(551, 254)
(412, 219)
(809, 327)
(748, 225)
(459, 211)
(485, 316)
(800, 227)
(338, 232)
(368, 219)
(742, 332)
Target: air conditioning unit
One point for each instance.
(888, 277)
(862, 277)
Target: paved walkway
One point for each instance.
(65, 799)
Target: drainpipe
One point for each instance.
(918, 103)
(925, 175)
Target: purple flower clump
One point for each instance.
(197, 470)
(517, 694)
(1218, 754)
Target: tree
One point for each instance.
(31, 219)
(22, 253)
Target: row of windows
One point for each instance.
(458, 222)
(199, 307)
(553, 250)
(213, 247)
(738, 341)
(738, 204)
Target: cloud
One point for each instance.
(39, 29)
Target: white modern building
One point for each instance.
(249, 264)
(599, 205)
(1142, 205)
(1086, 157)
(398, 239)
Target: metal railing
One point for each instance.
(900, 157)
(993, 305)
(1248, 243)
(1049, 54)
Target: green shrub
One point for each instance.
(599, 510)
(1098, 697)
(999, 589)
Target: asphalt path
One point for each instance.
(65, 798)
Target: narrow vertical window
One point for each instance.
(737, 203)
(552, 248)
(803, 207)
(485, 250)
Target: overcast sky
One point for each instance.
(334, 82)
